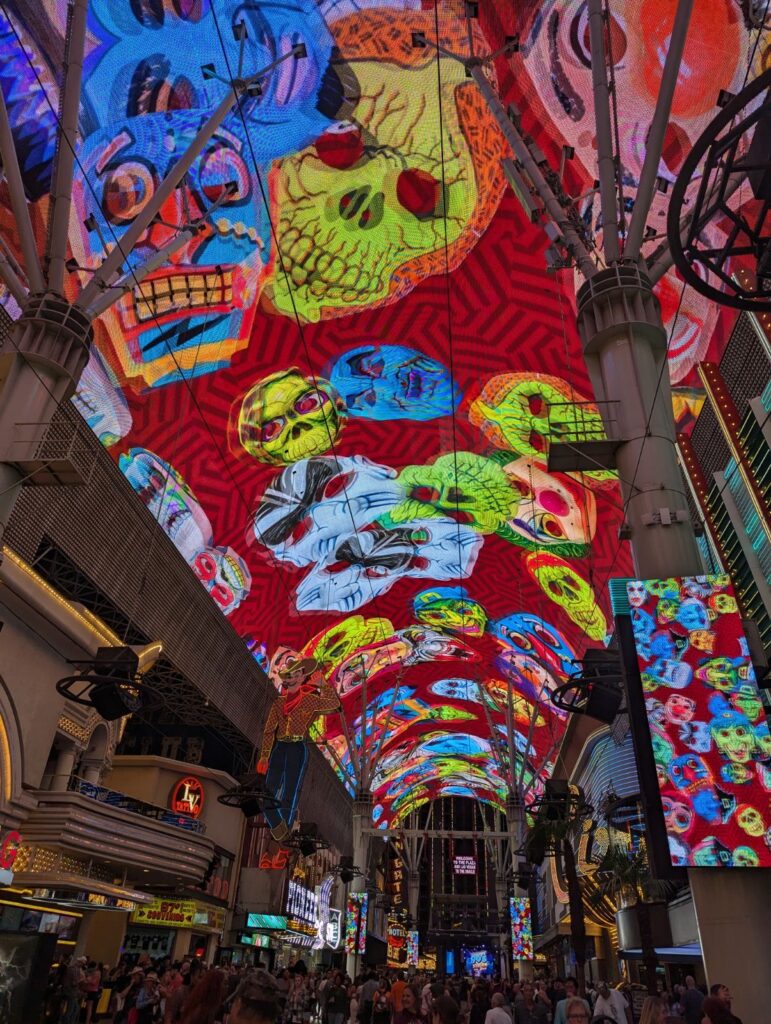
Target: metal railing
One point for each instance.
(134, 806)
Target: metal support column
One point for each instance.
(361, 820)
(606, 164)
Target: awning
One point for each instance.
(667, 954)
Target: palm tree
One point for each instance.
(555, 830)
(624, 876)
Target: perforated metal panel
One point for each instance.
(745, 365)
(708, 442)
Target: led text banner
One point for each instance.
(708, 727)
(465, 865)
(521, 928)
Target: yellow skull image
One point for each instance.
(393, 194)
(563, 585)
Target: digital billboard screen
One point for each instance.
(521, 928)
(478, 961)
(356, 922)
(708, 727)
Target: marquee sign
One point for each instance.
(187, 797)
(166, 913)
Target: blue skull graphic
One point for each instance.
(392, 382)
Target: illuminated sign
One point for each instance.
(166, 913)
(521, 928)
(478, 961)
(708, 728)
(334, 928)
(356, 922)
(323, 897)
(396, 949)
(268, 922)
(413, 946)
(302, 908)
(255, 939)
(187, 797)
(465, 865)
(9, 850)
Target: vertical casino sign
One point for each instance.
(707, 724)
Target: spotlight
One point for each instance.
(250, 796)
(472, 8)
(724, 97)
(300, 51)
(109, 683)
(418, 41)
(662, 185)
(114, 700)
(512, 43)
(208, 71)
(568, 152)
(239, 31)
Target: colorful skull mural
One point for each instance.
(555, 511)
(563, 585)
(469, 488)
(530, 634)
(377, 205)
(311, 506)
(369, 562)
(392, 382)
(451, 610)
(286, 417)
(555, 73)
(223, 572)
(100, 402)
(143, 102)
(524, 412)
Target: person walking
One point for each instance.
(529, 1010)
(610, 1003)
(336, 1000)
(497, 1013)
(381, 1004)
(692, 1001)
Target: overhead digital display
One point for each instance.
(521, 928)
(708, 726)
(342, 389)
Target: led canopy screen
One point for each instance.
(342, 389)
(708, 727)
(521, 928)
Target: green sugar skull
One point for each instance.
(745, 699)
(750, 820)
(286, 417)
(745, 857)
(469, 488)
(733, 736)
(524, 412)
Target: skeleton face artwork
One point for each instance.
(501, 695)
(696, 736)
(392, 382)
(745, 857)
(469, 488)
(100, 401)
(666, 610)
(370, 562)
(372, 661)
(286, 417)
(678, 816)
(225, 576)
(451, 610)
(656, 712)
(529, 634)
(723, 604)
(524, 412)
(679, 851)
(733, 736)
(746, 701)
(428, 645)
(307, 509)
(663, 750)
(720, 673)
(643, 627)
(636, 593)
(143, 103)
(703, 640)
(688, 772)
(692, 614)
(169, 500)
(735, 774)
(557, 62)
(750, 820)
(711, 853)
(677, 675)
(334, 645)
(457, 689)
(529, 677)
(555, 510)
(362, 213)
(667, 588)
(679, 708)
(563, 585)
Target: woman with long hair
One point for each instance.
(654, 1011)
(205, 1000)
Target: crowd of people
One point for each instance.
(188, 992)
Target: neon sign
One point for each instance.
(187, 797)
